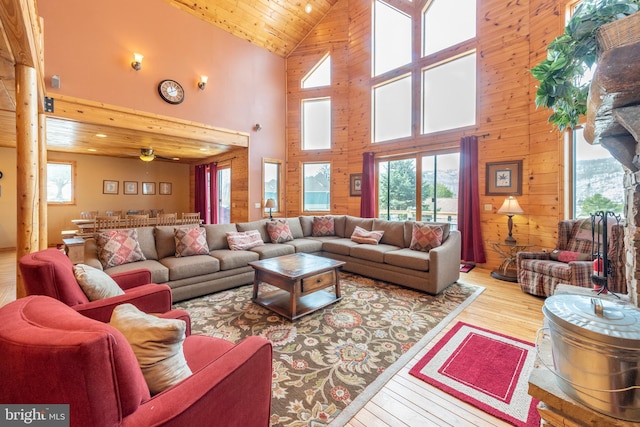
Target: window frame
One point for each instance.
(302, 123)
(71, 202)
(303, 192)
(277, 211)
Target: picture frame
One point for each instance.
(109, 186)
(130, 187)
(164, 188)
(355, 184)
(148, 188)
(504, 178)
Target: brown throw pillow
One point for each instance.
(426, 237)
(323, 226)
(279, 231)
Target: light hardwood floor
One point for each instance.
(405, 400)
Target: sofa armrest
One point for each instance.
(133, 278)
(532, 255)
(234, 389)
(444, 263)
(150, 298)
(581, 273)
(179, 315)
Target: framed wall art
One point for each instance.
(148, 188)
(109, 187)
(164, 188)
(130, 187)
(355, 186)
(504, 178)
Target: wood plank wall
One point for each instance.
(512, 37)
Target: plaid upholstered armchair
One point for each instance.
(539, 274)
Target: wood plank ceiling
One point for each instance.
(275, 25)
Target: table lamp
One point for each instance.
(270, 203)
(510, 207)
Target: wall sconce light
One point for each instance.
(510, 207)
(137, 62)
(203, 82)
(258, 127)
(270, 203)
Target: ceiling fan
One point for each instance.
(146, 155)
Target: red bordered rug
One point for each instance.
(486, 369)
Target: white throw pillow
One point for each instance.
(157, 344)
(96, 284)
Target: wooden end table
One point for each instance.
(301, 279)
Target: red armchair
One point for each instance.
(50, 354)
(50, 272)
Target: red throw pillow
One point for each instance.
(360, 235)
(116, 247)
(568, 256)
(279, 231)
(190, 241)
(426, 237)
(323, 226)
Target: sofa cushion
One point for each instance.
(374, 253)
(190, 241)
(308, 246)
(147, 242)
(244, 240)
(306, 223)
(272, 250)
(279, 231)
(96, 284)
(120, 246)
(233, 259)
(408, 258)
(157, 344)
(408, 231)
(393, 231)
(556, 269)
(217, 235)
(323, 226)
(159, 273)
(426, 237)
(360, 235)
(338, 246)
(191, 266)
(295, 227)
(352, 221)
(260, 225)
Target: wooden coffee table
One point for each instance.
(301, 279)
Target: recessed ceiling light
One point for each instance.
(203, 149)
(91, 149)
(308, 8)
(101, 135)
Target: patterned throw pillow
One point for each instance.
(279, 231)
(190, 241)
(360, 235)
(244, 240)
(323, 226)
(426, 237)
(117, 247)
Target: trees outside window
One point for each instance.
(61, 182)
(316, 194)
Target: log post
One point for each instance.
(27, 131)
(42, 181)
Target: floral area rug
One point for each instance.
(323, 361)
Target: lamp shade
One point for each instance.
(270, 203)
(510, 207)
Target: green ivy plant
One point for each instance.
(570, 56)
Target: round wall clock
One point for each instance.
(171, 91)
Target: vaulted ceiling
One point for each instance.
(275, 25)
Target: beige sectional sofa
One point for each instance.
(390, 260)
